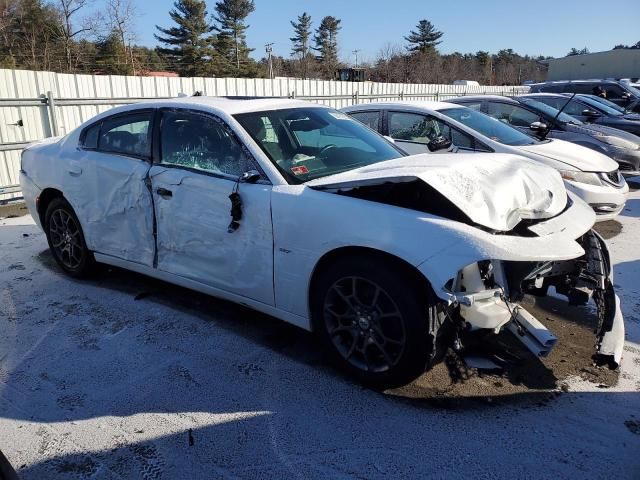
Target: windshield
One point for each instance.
(488, 126)
(601, 106)
(608, 103)
(550, 111)
(309, 143)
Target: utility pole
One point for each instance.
(269, 48)
(355, 52)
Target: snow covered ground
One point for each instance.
(126, 377)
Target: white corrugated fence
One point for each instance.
(35, 105)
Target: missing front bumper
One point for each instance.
(487, 298)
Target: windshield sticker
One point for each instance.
(299, 170)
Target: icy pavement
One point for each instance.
(126, 377)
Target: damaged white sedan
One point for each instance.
(298, 211)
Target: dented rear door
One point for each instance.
(114, 203)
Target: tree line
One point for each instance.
(65, 36)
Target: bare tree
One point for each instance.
(68, 31)
(121, 16)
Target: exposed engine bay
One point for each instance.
(486, 295)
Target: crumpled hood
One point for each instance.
(493, 190)
(576, 156)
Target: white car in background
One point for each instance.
(423, 127)
(298, 211)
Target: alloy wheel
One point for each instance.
(364, 324)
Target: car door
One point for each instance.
(517, 116)
(108, 186)
(197, 166)
(413, 131)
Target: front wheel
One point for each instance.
(373, 318)
(66, 239)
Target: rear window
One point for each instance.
(127, 135)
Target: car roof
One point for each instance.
(217, 105)
(563, 82)
(420, 105)
(486, 97)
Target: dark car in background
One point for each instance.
(588, 109)
(538, 119)
(620, 93)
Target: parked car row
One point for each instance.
(491, 124)
(623, 94)
(299, 211)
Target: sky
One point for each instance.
(540, 27)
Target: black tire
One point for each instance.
(66, 239)
(353, 337)
(6, 470)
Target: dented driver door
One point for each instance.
(198, 165)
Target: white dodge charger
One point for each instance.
(298, 211)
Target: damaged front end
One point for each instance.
(485, 296)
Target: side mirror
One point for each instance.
(251, 176)
(590, 113)
(439, 143)
(538, 127)
(626, 96)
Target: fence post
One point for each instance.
(293, 94)
(53, 121)
(356, 98)
(401, 96)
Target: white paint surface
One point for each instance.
(94, 381)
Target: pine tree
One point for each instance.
(302, 34)
(327, 44)
(425, 39)
(112, 57)
(192, 54)
(231, 40)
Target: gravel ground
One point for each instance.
(123, 376)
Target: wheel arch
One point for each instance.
(44, 199)
(372, 254)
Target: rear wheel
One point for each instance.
(66, 239)
(373, 318)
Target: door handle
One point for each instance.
(164, 193)
(74, 169)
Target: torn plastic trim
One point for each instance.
(610, 331)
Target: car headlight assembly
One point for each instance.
(577, 176)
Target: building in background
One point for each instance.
(621, 63)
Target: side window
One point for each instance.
(413, 127)
(418, 128)
(201, 142)
(90, 136)
(127, 135)
(512, 114)
(574, 108)
(477, 106)
(614, 92)
(370, 118)
(552, 88)
(586, 88)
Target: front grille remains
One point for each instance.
(614, 178)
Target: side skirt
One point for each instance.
(288, 317)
